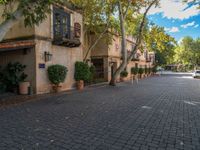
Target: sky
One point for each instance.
(178, 19)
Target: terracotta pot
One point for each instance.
(122, 79)
(23, 88)
(57, 88)
(80, 85)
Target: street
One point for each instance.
(157, 113)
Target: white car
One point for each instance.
(196, 74)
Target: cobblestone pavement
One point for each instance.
(158, 113)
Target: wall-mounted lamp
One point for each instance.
(47, 56)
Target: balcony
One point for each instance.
(70, 39)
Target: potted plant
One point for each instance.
(13, 77)
(149, 71)
(123, 75)
(154, 70)
(91, 74)
(2, 85)
(134, 71)
(57, 74)
(146, 71)
(141, 71)
(82, 74)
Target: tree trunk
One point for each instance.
(8, 24)
(123, 48)
(139, 37)
(95, 43)
(125, 60)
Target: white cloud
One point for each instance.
(172, 30)
(196, 26)
(174, 9)
(190, 24)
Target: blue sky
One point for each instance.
(177, 18)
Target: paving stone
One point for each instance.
(159, 113)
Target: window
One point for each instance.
(61, 23)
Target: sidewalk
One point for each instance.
(9, 99)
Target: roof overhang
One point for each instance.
(16, 45)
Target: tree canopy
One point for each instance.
(188, 52)
(161, 43)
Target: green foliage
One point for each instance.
(154, 69)
(159, 41)
(141, 71)
(149, 70)
(124, 74)
(2, 85)
(12, 75)
(91, 74)
(134, 70)
(57, 74)
(187, 53)
(82, 71)
(146, 70)
(34, 11)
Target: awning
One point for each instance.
(9, 46)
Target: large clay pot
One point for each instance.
(23, 88)
(122, 79)
(57, 88)
(80, 85)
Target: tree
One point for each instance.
(188, 52)
(97, 20)
(161, 43)
(123, 13)
(32, 11)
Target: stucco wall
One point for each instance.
(61, 55)
(18, 30)
(115, 47)
(25, 59)
(101, 49)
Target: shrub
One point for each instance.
(57, 74)
(149, 70)
(92, 73)
(154, 69)
(141, 71)
(134, 70)
(124, 74)
(82, 71)
(12, 75)
(146, 70)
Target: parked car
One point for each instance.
(196, 74)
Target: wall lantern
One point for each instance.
(47, 56)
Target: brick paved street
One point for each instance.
(158, 113)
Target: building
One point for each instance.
(106, 57)
(57, 40)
